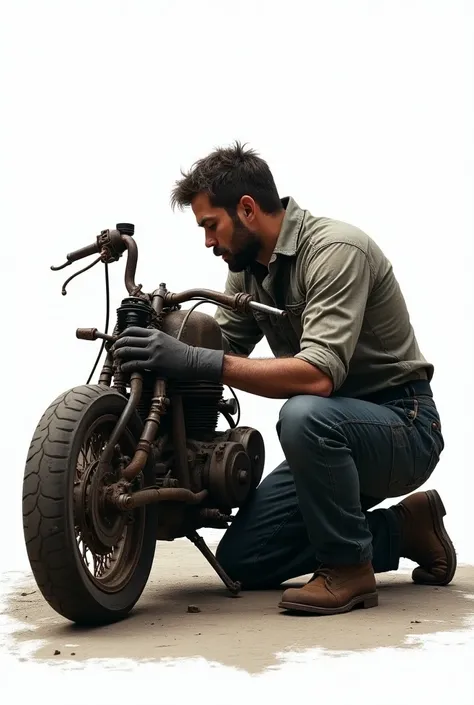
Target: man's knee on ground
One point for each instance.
(230, 556)
(238, 560)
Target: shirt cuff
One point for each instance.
(326, 361)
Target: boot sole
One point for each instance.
(365, 601)
(438, 511)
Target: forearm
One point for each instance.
(275, 378)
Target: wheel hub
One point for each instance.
(101, 525)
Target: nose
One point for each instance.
(211, 241)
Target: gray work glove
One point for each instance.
(145, 349)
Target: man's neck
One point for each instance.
(269, 232)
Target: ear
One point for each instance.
(247, 209)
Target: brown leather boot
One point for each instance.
(424, 538)
(333, 590)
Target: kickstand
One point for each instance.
(198, 541)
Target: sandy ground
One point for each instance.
(247, 632)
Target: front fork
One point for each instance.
(118, 494)
(135, 311)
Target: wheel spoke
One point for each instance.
(97, 446)
(104, 562)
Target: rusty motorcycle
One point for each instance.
(116, 466)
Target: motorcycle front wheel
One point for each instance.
(90, 561)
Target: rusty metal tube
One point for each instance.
(152, 423)
(238, 302)
(107, 370)
(131, 266)
(165, 494)
(136, 465)
(136, 385)
(158, 298)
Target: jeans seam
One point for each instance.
(334, 486)
(333, 483)
(371, 423)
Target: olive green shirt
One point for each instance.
(346, 312)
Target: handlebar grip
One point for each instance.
(83, 252)
(267, 309)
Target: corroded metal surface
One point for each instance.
(175, 457)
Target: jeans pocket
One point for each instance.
(417, 445)
(437, 445)
(428, 444)
(407, 409)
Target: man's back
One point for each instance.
(346, 312)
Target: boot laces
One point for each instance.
(323, 572)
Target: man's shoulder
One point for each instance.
(319, 232)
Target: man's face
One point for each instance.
(229, 237)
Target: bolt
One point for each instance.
(243, 475)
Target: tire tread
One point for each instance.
(45, 531)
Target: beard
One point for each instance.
(245, 247)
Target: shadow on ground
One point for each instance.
(247, 632)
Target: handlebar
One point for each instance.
(238, 302)
(111, 244)
(77, 255)
(83, 252)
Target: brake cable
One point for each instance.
(107, 315)
(76, 274)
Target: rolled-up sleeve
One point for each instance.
(240, 331)
(337, 280)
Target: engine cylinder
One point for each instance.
(200, 402)
(200, 398)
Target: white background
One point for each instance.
(363, 110)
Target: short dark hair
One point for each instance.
(227, 174)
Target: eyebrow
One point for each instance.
(204, 220)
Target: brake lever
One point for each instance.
(76, 274)
(61, 266)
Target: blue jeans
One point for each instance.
(343, 456)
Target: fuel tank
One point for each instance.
(201, 329)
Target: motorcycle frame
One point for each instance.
(111, 245)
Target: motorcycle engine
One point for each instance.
(229, 464)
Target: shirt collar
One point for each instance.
(287, 242)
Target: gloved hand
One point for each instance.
(150, 349)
